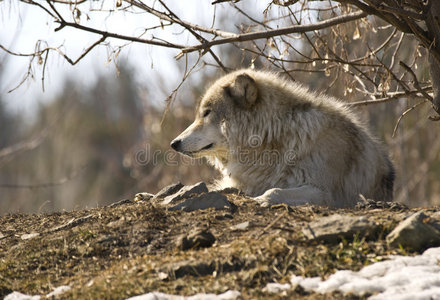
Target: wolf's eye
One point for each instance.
(206, 113)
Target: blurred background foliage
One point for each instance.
(92, 147)
(103, 144)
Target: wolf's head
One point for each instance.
(207, 135)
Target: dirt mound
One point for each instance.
(133, 248)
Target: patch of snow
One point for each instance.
(20, 296)
(275, 288)
(58, 291)
(401, 277)
(229, 295)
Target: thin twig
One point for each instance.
(272, 223)
(171, 96)
(185, 24)
(377, 49)
(70, 2)
(201, 39)
(405, 113)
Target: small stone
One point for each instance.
(169, 190)
(241, 226)
(197, 239)
(334, 227)
(186, 192)
(163, 276)
(118, 223)
(417, 232)
(29, 236)
(143, 197)
(204, 201)
(224, 216)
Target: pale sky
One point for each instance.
(21, 26)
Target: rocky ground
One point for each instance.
(188, 240)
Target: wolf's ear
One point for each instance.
(243, 90)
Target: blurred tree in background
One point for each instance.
(99, 148)
(96, 146)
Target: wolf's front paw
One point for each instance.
(262, 201)
(270, 197)
(143, 196)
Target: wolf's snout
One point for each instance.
(175, 144)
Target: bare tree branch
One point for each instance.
(400, 12)
(390, 97)
(25, 145)
(277, 32)
(61, 181)
(106, 34)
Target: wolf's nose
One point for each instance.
(176, 144)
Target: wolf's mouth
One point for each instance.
(193, 153)
(207, 147)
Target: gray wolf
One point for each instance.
(278, 142)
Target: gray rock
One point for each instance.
(199, 238)
(169, 190)
(189, 267)
(417, 232)
(197, 268)
(72, 223)
(204, 201)
(186, 192)
(143, 197)
(229, 190)
(120, 202)
(335, 227)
